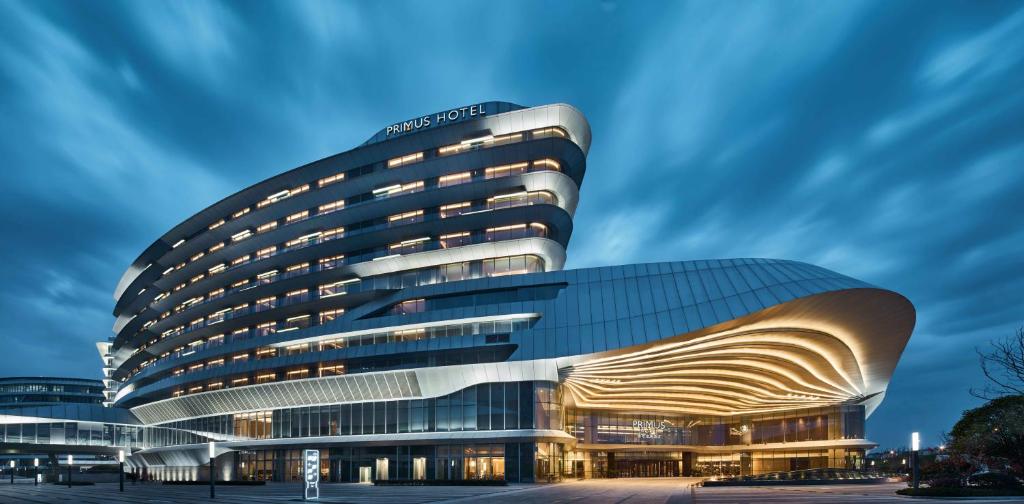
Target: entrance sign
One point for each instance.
(312, 475)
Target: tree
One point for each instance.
(1003, 365)
(992, 435)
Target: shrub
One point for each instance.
(993, 480)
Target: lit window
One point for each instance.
(454, 179)
(265, 303)
(267, 227)
(409, 246)
(547, 164)
(329, 315)
(297, 296)
(295, 217)
(218, 268)
(332, 234)
(297, 374)
(239, 382)
(215, 247)
(197, 278)
(266, 252)
(266, 328)
(405, 218)
(549, 132)
(240, 358)
(240, 213)
(266, 378)
(197, 257)
(455, 209)
(455, 239)
(331, 207)
(332, 262)
(331, 369)
(241, 235)
(330, 180)
(214, 385)
(505, 170)
(336, 288)
(216, 225)
(241, 260)
(405, 160)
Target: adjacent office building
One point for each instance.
(403, 307)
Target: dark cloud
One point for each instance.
(879, 140)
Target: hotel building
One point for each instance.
(403, 308)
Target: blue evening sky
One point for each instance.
(881, 140)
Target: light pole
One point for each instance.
(35, 477)
(120, 474)
(212, 476)
(71, 461)
(12, 472)
(915, 445)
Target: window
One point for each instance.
(329, 315)
(297, 296)
(266, 378)
(331, 369)
(398, 189)
(215, 385)
(270, 226)
(549, 132)
(455, 239)
(296, 270)
(333, 206)
(409, 307)
(333, 289)
(297, 374)
(217, 269)
(454, 179)
(240, 358)
(405, 160)
(332, 262)
(547, 164)
(215, 247)
(333, 234)
(266, 328)
(240, 213)
(505, 170)
(409, 246)
(455, 209)
(297, 216)
(405, 218)
(241, 235)
(266, 252)
(479, 143)
(265, 304)
(338, 177)
(296, 322)
(506, 232)
(216, 225)
(194, 258)
(238, 382)
(266, 353)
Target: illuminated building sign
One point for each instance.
(312, 475)
(439, 119)
(651, 429)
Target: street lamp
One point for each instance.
(12, 472)
(35, 477)
(120, 474)
(212, 476)
(915, 446)
(71, 461)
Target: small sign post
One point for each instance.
(311, 486)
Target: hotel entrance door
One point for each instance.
(647, 465)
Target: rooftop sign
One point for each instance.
(439, 119)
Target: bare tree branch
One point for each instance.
(1003, 367)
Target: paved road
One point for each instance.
(624, 491)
